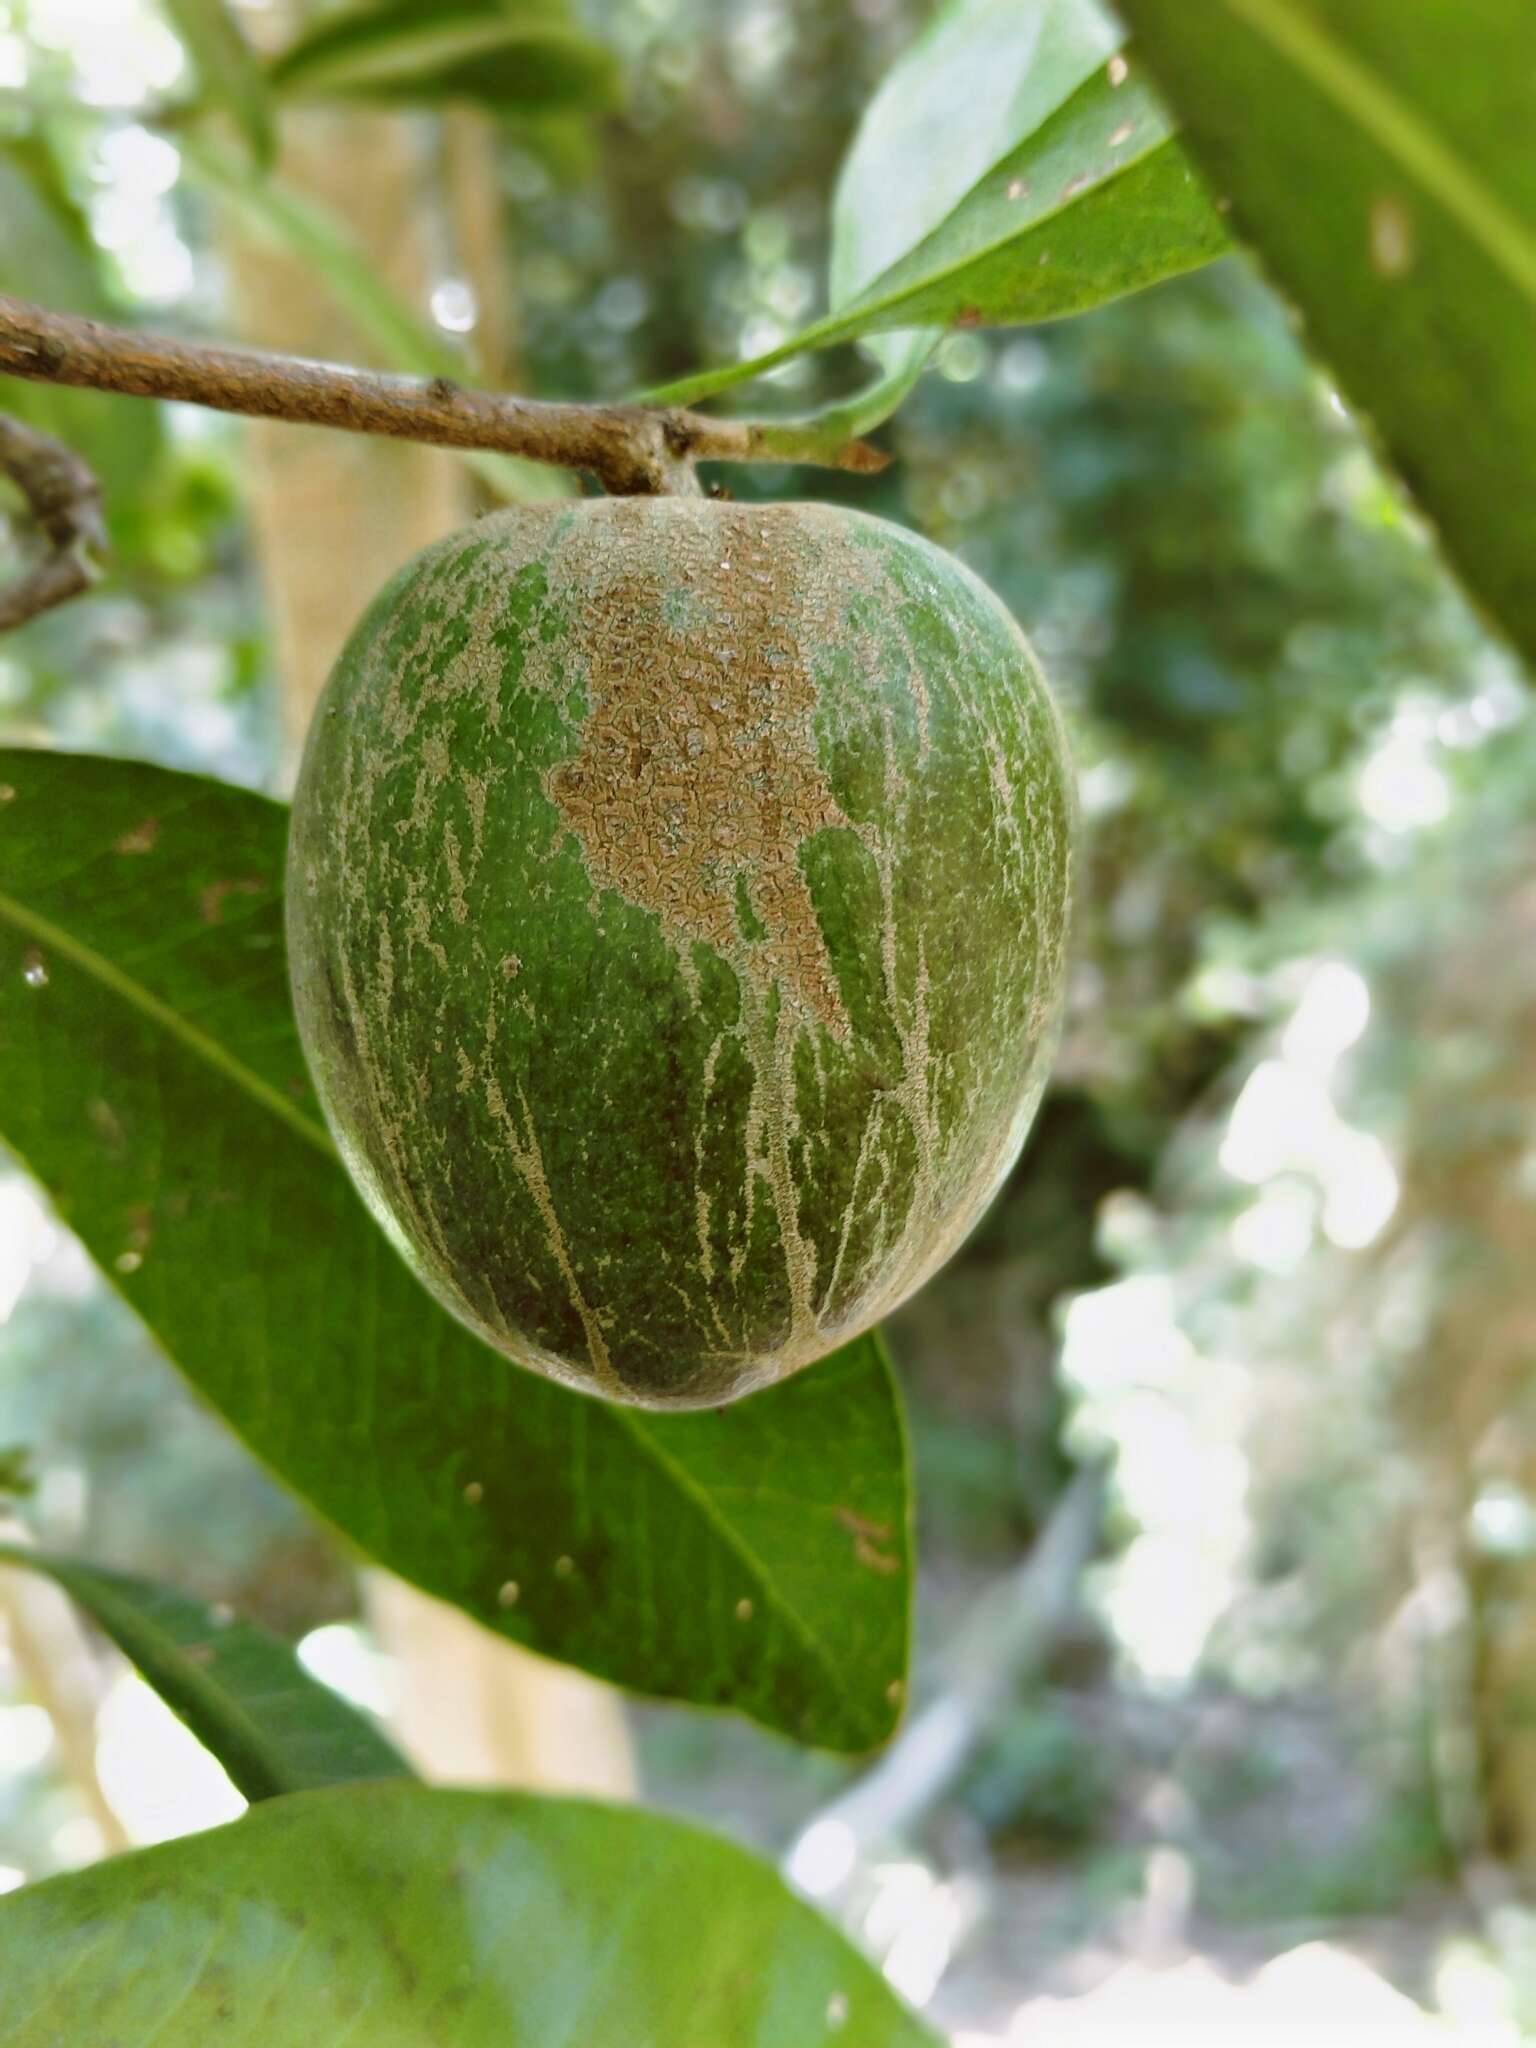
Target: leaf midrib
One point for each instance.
(134, 993)
(820, 1650)
(1400, 133)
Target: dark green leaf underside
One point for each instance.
(150, 1075)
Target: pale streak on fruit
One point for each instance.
(746, 722)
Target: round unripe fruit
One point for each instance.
(677, 903)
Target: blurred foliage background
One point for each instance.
(1263, 1259)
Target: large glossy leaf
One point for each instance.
(1380, 159)
(393, 1916)
(150, 1075)
(240, 1689)
(1013, 167)
(522, 57)
(227, 70)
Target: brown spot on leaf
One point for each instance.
(1392, 237)
(861, 1525)
(139, 838)
(968, 316)
(104, 1122)
(211, 901)
(867, 1536)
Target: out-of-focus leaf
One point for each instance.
(406, 1917)
(227, 70)
(151, 1077)
(240, 1689)
(16, 1476)
(1380, 159)
(46, 254)
(403, 340)
(523, 58)
(304, 228)
(1013, 167)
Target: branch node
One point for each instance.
(680, 431)
(630, 450)
(65, 501)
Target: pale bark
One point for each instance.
(56, 1665)
(335, 514)
(478, 1710)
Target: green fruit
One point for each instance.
(677, 903)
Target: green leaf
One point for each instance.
(306, 230)
(1380, 161)
(228, 70)
(404, 341)
(983, 77)
(150, 1075)
(522, 59)
(1099, 201)
(17, 1479)
(398, 1916)
(1013, 167)
(240, 1689)
(47, 254)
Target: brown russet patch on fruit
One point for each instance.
(661, 827)
(697, 774)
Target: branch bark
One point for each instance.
(65, 502)
(632, 450)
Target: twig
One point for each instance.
(66, 504)
(631, 450)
